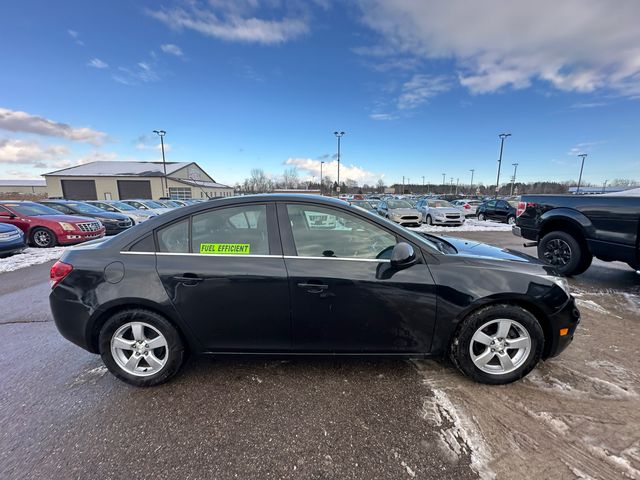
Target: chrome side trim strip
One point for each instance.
(215, 255)
(376, 260)
(138, 253)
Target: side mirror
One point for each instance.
(402, 255)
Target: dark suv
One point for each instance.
(113, 222)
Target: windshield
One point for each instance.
(152, 204)
(32, 209)
(84, 208)
(398, 204)
(123, 206)
(439, 204)
(362, 204)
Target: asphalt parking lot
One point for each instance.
(576, 416)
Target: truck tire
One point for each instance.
(563, 251)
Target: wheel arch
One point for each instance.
(100, 318)
(523, 302)
(566, 220)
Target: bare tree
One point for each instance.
(290, 178)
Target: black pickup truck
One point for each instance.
(569, 230)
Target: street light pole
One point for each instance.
(604, 186)
(583, 156)
(161, 134)
(471, 187)
(451, 189)
(502, 137)
(321, 184)
(457, 185)
(513, 179)
(339, 136)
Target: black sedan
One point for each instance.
(500, 210)
(114, 223)
(298, 274)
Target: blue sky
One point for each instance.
(420, 87)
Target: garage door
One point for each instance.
(134, 189)
(79, 189)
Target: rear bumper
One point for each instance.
(524, 232)
(568, 317)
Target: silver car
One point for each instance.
(439, 212)
(400, 211)
(148, 205)
(136, 216)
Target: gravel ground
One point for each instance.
(576, 416)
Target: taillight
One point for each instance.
(522, 206)
(467, 206)
(58, 272)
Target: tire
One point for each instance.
(564, 252)
(497, 363)
(150, 366)
(42, 237)
(482, 217)
(511, 220)
(429, 220)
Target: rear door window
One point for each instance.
(231, 231)
(174, 238)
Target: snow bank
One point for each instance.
(470, 225)
(31, 256)
(634, 192)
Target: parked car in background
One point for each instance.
(500, 210)
(400, 211)
(171, 204)
(148, 205)
(363, 204)
(12, 240)
(45, 227)
(468, 207)
(136, 216)
(351, 284)
(439, 212)
(569, 230)
(114, 223)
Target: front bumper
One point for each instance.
(115, 229)
(14, 246)
(447, 221)
(70, 238)
(568, 317)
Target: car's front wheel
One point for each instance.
(141, 347)
(429, 220)
(498, 344)
(43, 238)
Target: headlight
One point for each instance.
(68, 227)
(559, 281)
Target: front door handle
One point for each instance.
(314, 287)
(188, 278)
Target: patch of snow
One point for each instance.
(458, 433)
(30, 256)
(470, 225)
(591, 305)
(633, 192)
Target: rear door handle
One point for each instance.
(188, 278)
(314, 287)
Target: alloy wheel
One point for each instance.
(500, 346)
(42, 238)
(557, 252)
(139, 349)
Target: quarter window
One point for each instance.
(234, 230)
(325, 232)
(174, 238)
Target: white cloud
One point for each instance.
(420, 88)
(382, 116)
(575, 45)
(141, 72)
(75, 35)
(234, 20)
(30, 152)
(172, 49)
(97, 63)
(583, 147)
(16, 121)
(311, 167)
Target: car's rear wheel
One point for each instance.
(564, 252)
(141, 347)
(482, 217)
(498, 344)
(511, 220)
(43, 238)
